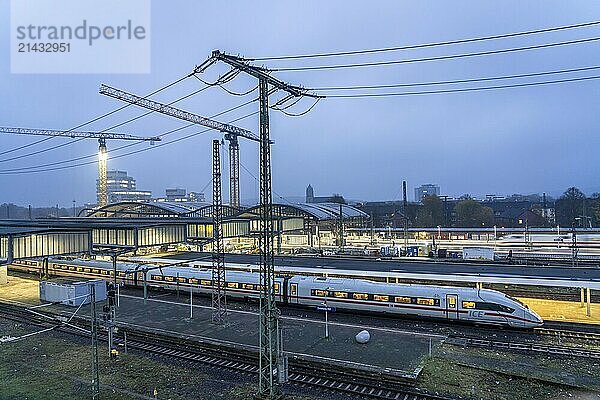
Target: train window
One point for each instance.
(426, 302)
(72, 269)
(247, 286)
(193, 281)
(493, 307)
(506, 309)
(468, 304)
(381, 297)
(121, 274)
(406, 300)
(340, 295)
(104, 272)
(451, 302)
(360, 296)
(233, 285)
(515, 300)
(182, 279)
(294, 289)
(96, 271)
(156, 277)
(205, 282)
(79, 269)
(319, 292)
(169, 278)
(88, 270)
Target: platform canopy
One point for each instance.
(163, 209)
(30, 242)
(315, 211)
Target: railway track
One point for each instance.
(302, 373)
(522, 346)
(568, 334)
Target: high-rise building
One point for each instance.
(197, 197)
(428, 189)
(176, 194)
(122, 187)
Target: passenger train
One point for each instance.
(550, 240)
(480, 306)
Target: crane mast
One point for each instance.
(102, 150)
(231, 132)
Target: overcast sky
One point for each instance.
(523, 140)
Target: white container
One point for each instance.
(478, 253)
(71, 293)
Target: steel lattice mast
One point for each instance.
(102, 151)
(234, 170)
(231, 132)
(272, 363)
(219, 301)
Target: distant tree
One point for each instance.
(569, 206)
(431, 213)
(593, 204)
(470, 213)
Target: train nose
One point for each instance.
(534, 317)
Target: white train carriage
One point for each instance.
(238, 284)
(442, 302)
(481, 306)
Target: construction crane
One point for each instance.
(231, 132)
(102, 150)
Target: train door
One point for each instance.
(452, 306)
(293, 293)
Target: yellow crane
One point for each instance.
(102, 151)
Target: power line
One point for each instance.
(87, 123)
(425, 45)
(516, 85)
(396, 85)
(22, 169)
(26, 145)
(90, 155)
(140, 150)
(289, 114)
(256, 179)
(437, 58)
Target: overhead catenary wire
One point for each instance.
(86, 123)
(435, 58)
(231, 92)
(289, 114)
(449, 82)
(135, 151)
(432, 44)
(126, 145)
(25, 145)
(428, 92)
(256, 179)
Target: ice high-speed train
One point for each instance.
(482, 306)
(549, 239)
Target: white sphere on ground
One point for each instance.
(363, 337)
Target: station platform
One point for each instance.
(390, 351)
(564, 311)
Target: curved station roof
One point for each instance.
(316, 211)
